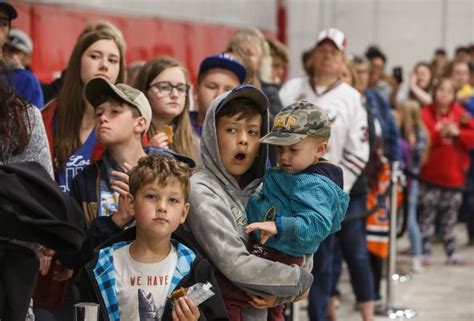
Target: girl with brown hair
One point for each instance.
(69, 120)
(165, 82)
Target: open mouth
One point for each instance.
(240, 157)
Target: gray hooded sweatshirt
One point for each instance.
(217, 219)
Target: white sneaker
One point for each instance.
(417, 264)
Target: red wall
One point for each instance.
(54, 30)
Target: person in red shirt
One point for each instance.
(443, 175)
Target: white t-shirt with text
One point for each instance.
(142, 287)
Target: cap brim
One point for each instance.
(18, 47)
(282, 138)
(246, 91)
(9, 9)
(331, 40)
(99, 87)
(172, 154)
(217, 62)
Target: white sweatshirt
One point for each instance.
(348, 145)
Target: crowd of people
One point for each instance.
(123, 185)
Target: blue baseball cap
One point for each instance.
(9, 9)
(224, 61)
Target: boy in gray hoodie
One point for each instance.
(233, 165)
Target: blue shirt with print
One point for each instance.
(76, 163)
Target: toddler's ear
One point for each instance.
(321, 149)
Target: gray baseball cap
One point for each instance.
(296, 121)
(98, 87)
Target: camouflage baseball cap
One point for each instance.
(296, 121)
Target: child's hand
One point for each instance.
(120, 181)
(185, 310)
(120, 185)
(262, 302)
(452, 129)
(412, 79)
(159, 140)
(301, 297)
(45, 256)
(266, 229)
(62, 275)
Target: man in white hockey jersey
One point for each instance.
(349, 149)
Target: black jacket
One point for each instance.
(34, 209)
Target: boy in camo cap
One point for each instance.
(301, 201)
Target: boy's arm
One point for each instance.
(215, 228)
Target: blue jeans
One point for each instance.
(412, 221)
(351, 239)
(352, 242)
(322, 284)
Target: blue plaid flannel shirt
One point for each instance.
(104, 273)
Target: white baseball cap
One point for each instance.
(335, 35)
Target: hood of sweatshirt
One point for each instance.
(210, 149)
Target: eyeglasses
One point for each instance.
(165, 88)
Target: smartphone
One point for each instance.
(397, 73)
